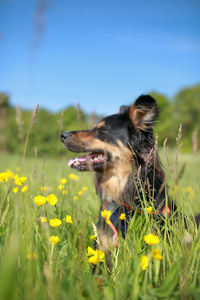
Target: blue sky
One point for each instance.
(99, 53)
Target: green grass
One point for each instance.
(62, 271)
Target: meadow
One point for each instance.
(47, 217)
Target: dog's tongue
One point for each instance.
(77, 159)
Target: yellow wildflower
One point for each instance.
(122, 217)
(24, 189)
(64, 192)
(19, 180)
(149, 209)
(144, 262)
(73, 176)
(28, 256)
(63, 180)
(93, 237)
(4, 176)
(84, 188)
(96, 256)
(35, 255)
(43, 219)
(52, 199)
(76, 198)
(68, 219)
(156, 254)
(15, 190)
(106, 215)
(189, 190)
(174, 189)
(43, 188)
(39, 200)
(10, 173)
(61, 187)
(55, 222)
(80, 193)
(151, 239)
(54, 239)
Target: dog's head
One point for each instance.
(115, 139)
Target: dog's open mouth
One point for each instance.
(89, 162)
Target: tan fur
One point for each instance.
(101, 124)
(106, 242)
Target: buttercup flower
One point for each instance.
(61, 187)
(68, 219)
(63, 181)
(24, 189)
(28, 256)
(96, 256)
(189, 191)
(75, 198)
(144, 262)
(64, 192)
(55, 222)
(151, 239)
(149, 209)
(122, 217)
(73, 176)
(80, 193)
(106, 214)
(34, 255)
(84, 188)
(15, 190)
(54, 239)
(52, 199)
(156, 254)
(93, 237)
(43, 219)
(43, 188)
(4, 177)
(19, 180)
(39, 200)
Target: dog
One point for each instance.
(122, 152)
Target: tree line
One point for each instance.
(43, 138)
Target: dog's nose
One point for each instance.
(65, 135)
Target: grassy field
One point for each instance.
(35, 267)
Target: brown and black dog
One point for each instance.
(121, 150)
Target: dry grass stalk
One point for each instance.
(195, 140)
(31, 123)
(19, 122)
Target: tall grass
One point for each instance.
(33, 268)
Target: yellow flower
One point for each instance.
(24, 189)
(10, 173)
(39, 200)
(93, 237)
(19, 180)
(63, 180)
(106, 215)
(28, 256)
(96, 256)
(64, 192)
(73, 176)
(61, 187)
(156, 254)
(4, 176)
(189, 190)
(174, 189)
(54, 239)
(122, 217)
(52, 199)
(35, 255)
(144, 262)
(68, 219)
(75, 198)
(55, 222)
(15, 190)
(43, 188)
(149, 209)
(84, 188)
(43, 219)
(80, 193)
(151, 239)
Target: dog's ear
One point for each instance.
(122, 109)
(143, 112)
